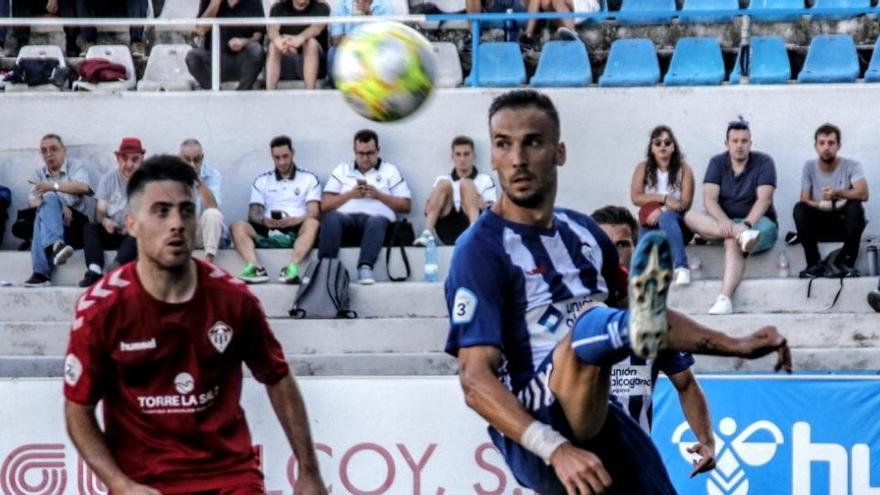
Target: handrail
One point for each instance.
(631, 17)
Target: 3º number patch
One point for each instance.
(464, 306)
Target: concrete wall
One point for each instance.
(606, 132)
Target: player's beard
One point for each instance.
(534, 199)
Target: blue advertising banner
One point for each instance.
(778, 435)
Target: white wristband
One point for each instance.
(542, 440)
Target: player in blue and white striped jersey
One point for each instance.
(533, 340)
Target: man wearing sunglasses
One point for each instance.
(738, 196)
(211, 232)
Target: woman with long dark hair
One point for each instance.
(663, 189)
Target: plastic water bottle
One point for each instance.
(782, 265)
(509, 27)
(695, 264)
(431, 265)
(873, 267)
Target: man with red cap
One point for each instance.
(108, 230)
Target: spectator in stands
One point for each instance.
(4, 13)
(360, 200)
(566, 30)
(833, 190)
(108, 230)
(297, 52)
(44, 8)
(457, 198)
(284, 209)
(738, 195)
(494, 7)
(212, 233)
(241, 47)
(61, 194)
(663, 188)
(338, 31)
(135, 9)
(622, 228)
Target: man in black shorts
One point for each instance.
(297, 52)
(284, 208)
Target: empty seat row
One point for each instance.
(665, 9)
(695, 61)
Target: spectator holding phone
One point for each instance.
(283, 213)
(360, 200)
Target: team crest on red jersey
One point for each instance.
(220, 335)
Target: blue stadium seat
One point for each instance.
(763, 10)
(873, 73)
(631, 63)
(769, 62)
(501, 65)
(692, 6)
(840, 4)
(831, 58)
(563, 64)
(696, 61)
(664, 8)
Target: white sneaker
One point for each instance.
(747, 240)
(682, 276)
(423, 239)
(723, 306)
(365, 275)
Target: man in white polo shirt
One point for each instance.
(360, 200)
(284, 208)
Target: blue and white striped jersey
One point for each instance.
(520, 288)
(633, 379)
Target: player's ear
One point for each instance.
(130, 223)
(560, 154)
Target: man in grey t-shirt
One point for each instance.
(108, 230)
(833, 189)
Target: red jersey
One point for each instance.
(170, 377)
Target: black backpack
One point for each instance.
(38, 71)
(323, 292)
(830, 270)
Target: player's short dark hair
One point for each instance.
(365, 136)
(616, 215)
(53, 136)
(158, 168)
(522, 98)
(826, 129)
(279, 141)
(462, 141)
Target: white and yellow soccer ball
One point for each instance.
(385, 70)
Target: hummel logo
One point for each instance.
(538, 270)
(137, 346)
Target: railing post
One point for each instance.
(475, 53)
(215, 57)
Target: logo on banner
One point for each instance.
(734, 453)
(220, 335)
(34, 469)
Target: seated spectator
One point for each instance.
(297, 52)
(738, 196)
(338, 30)
(622, 228)
(135, 9)
(833, 190)
(360, 200)
(61, 194)
(108, 231)
(566, 30)
(212, 233)
(457, 198)
(284, 208)
(494, 7)
(663, 187)
(241, 47)
(43, 8)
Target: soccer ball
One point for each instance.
(385, 70)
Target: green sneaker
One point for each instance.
(253, 274)
(289, 274)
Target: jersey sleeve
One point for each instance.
(314, 191)
(334, 183)
(398, 186)
(672, 362)
(474, 298)
(263, 354)
(85, 363)
(258, 192)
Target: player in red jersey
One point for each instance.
(161, 342)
